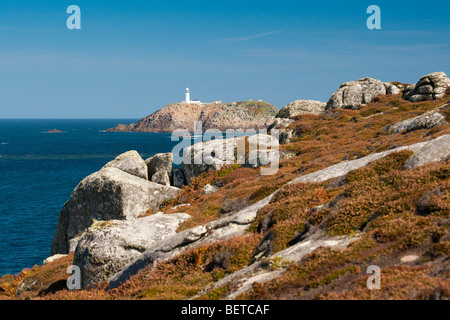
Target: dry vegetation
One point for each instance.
(398, 212)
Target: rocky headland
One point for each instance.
(222, 116)
(363, 180)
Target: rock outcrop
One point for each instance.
(354, 94)
(235, 115)
(285, 116)
(159, 162)
(130, 162)
(433, 151)
(177, 179)
(429, 87)
(262, 271)
(109, 194)
(424, 152)
(253, 151)
(301, 107)
(230, 226)
(161, 177)
(427, 120)
(107, 246)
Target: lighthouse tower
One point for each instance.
(188, 96)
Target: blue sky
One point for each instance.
(132, 57)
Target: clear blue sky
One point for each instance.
(132, 57)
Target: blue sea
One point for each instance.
(39, 170)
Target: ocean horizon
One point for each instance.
(39, 171)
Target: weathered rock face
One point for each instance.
(178, 179)
(109, 194)
(130, 162)
(424, 152)
(433, 151)
(235, 115)
(425, 121)
(301, 107)
(108, 246)
(429, 87)
(392, 88)
(282, 125)
(161, 177)
(159, 162)
(354, 94)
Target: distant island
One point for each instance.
(54, 131)
(233, 115)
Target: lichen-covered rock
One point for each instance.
(159, 162)
(425, 121)
(107, 246)
(436, 150)
(301, 107)
(130, 162)
(354, 94)
(161, 177)
(429, 87)
(106, 195)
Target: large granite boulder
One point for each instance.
(107, 246)
(301, 107)
(354, 94)
(109, 194)
(159, 162)
(130, 162)
(429, 87)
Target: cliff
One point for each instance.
(234, 115)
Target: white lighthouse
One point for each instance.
(188, 96)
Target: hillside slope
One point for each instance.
(311, 240)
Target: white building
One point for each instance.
(188, 98)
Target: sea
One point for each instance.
(39, 171)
